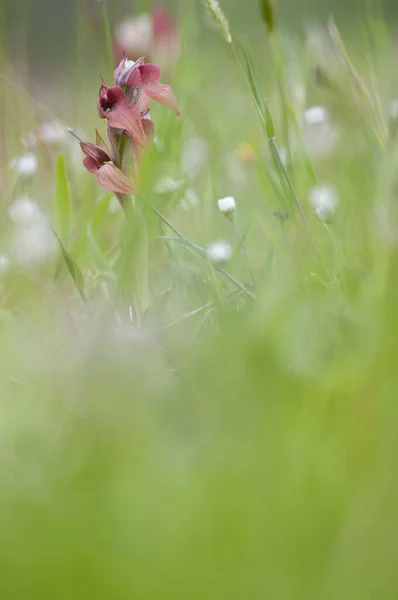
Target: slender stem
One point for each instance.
(239, 285)
(278, 66)
(108, 36)
(228, 296)
(164, 219)
(299, 205)
(242, 245)
(40, 106)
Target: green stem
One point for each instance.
(108, 36)
(239, 285)
(278, 66)
(242, 245)
(298, 204)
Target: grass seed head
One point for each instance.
(219, 18)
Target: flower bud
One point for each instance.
(227, 207)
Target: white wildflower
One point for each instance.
(320, 135)
(24, 211)
(4, 264)
(33, 244)
(194, 156)
(33, 240)
(168, 184)
(219, 251)
(394, 109)
(135, 35)
(324, 200)
(227, 206)
(25, 165)
(315, 115)
(50, 133)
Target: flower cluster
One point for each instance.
(125, 105)
(154, 34)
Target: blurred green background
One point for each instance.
(47, 27)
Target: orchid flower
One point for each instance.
(125, 106)
(99, 162)
(145, 77)
(154, 34)
(113, 105)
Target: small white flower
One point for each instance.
(24, 211)
(194, 156)
(50, 133)
(4, 264)
(168, 184)
(25, 165)
(34, 244)
(315, 115)
(136, 35)
(219, 251)
(324, 200)
(227, 206)
(394, 109)
(320, 134)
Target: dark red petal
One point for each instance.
(111, 178)
(102, 94)
(150, 73)
(128, 117)
(163, 94)
(95, 152)
(115, 94)
(90, 164)
(134, 79)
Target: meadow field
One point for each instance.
(198, 338)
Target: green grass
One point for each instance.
(164, 431)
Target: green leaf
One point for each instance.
(63, 202)
(194, 248)
(261, 105)
(72, 267)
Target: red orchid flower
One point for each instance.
(145, 77)
(164, 27)
(154, 34)
(113, 105)
(99, 162)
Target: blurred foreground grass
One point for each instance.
(246, 450)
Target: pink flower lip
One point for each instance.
(114, 106)
(98, 161)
